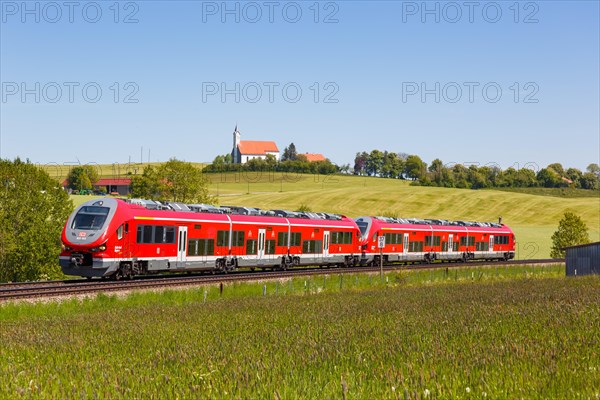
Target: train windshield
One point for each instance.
(363, 226)
(90, 218)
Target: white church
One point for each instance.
(246, 150)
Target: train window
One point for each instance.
(192, 247)
(282, 239)
(393, 238)
(237, 238)
(223, 238)
(147, 234)
(482, 246)
(500, 239)
(270, 247)
(159, 234)
(295, 239)
(155, 234)
(206, 247)
(90, 218)
(251, 247)
(312, 246)
(120, 232)
(467, 241)
(169, 234)
(201, 247)
(341, 237)
(433, 240)
(415, 247)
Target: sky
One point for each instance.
(501, 83)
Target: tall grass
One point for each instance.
(416, 336)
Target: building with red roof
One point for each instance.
(311, 157)
(246, 150)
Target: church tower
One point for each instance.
(235, 155)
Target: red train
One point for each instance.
(122, 238)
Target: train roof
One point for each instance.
(233, 210)
(440, 222)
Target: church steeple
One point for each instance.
(236, 141)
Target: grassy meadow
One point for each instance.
(482, 333)
(532, 214)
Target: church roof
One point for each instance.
(314, 157)
(256, 147)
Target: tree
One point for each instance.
(33, 211)
(82, 177)
(392, 165)
(290, 153)
(594, 169)
(415, 168)
(558, 168)
(548, 177)
(360, 163)
(173, 181)
(374, 162)
(571, 231)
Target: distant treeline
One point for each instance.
(403, 166)
(298, 165)
(411, 167)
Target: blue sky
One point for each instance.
(506, 83)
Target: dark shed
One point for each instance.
(583, 259)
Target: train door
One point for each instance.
(405, 244)
(491, 243)
(325, 244)
(261, 245)
(182, 246)
(450, 243)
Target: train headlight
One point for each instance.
(99, 248)
(65, 248)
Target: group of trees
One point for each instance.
(82, 177)
(404, 166)
(174, 180)
(33, 211)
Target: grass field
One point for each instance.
(480, 335)
(533, 217)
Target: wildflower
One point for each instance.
(426, 393)
(468, 389)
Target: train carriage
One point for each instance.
(412, 240)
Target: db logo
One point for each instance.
(82, 234)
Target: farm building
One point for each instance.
(113, 185)
(583, 259)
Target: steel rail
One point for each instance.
(31, 290)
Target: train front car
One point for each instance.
(89, 239)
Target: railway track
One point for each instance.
(49, 289)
